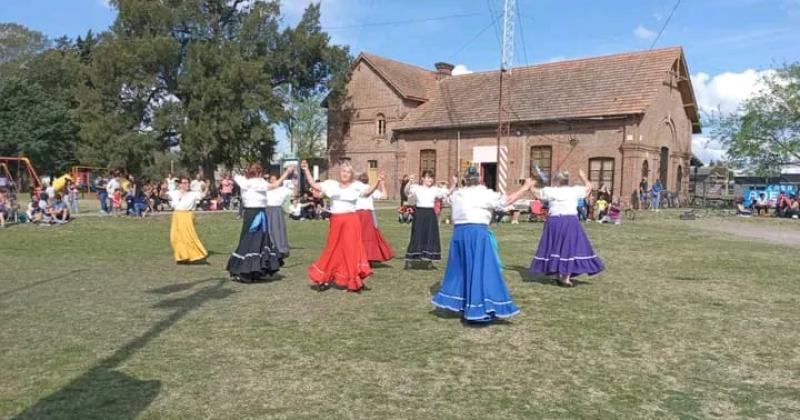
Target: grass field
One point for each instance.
(98, 322)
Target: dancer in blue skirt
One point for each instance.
(473, 283)
(564, 249)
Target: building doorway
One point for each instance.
(663, 167)
(489, 175)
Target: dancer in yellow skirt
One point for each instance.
(185, 244)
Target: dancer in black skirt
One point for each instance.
(255, 257)
(424, 244)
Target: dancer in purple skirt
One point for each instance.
(564, 249)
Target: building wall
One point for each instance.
(629, 141)
(666, 124)
(368, 95)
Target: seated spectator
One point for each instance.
(741, 210)
(58, 211)
(538, 211)
(310, 210)
(795, 207)
(406, 214)
(615, 213)
(762, 204)
(35, 213)
(784, 206)
(295, 210)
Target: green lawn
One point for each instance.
(98, 322)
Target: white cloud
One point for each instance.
(461, 69)
(725, 92)
(707, 149)
(643, 33)
(556, 59)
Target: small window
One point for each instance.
(427, 161)
(601, 173)
(346, 128)
(542, 158)
(380, 125)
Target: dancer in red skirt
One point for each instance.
(377, 248)
(344, 260)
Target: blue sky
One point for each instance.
(728, 43)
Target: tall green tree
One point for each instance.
(201, 74)
(307, 127)
(18, 45)
(764, 135)
(36, 124)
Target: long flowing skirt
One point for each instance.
(375, 245)
(255, 257)
(186, 246)
(424, 243)
(343, 261)
(565, 249)
(473, 283)
(277, 230)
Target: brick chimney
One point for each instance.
(443, 70)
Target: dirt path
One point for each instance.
(777, 233)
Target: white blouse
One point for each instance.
(475, 204)
(277, 196)
(563, 201)
(254, 191)
(186, 202)
(343, 199)
(426, 196)
(367, 203)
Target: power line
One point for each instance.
(466, 44)
(653, 44)
(403, 22)
(492, 12)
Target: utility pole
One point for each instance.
(506, 60)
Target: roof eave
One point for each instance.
(537, 121)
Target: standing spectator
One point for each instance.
(72, 190)
(112, 186)
(4, 207)
(643, 194)
(199, 186)
(172, 182)
(226, 189)
(601, 206)
(116, 202)
(655, 193)
(102, 194)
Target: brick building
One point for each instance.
(619, 118)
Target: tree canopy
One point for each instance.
(764, 135)
(203, 78)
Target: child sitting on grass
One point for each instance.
(615, 213)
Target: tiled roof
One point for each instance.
(412, 82)
(603, 86)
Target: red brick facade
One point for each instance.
(377, 108)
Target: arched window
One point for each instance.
(679, 181)
(664, 166)
(380, 125)
(645, 169)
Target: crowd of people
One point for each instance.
(785, 206)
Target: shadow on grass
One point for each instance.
(40, 282)
(527, 277)
(103, 392)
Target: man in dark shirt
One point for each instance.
(643, 193)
